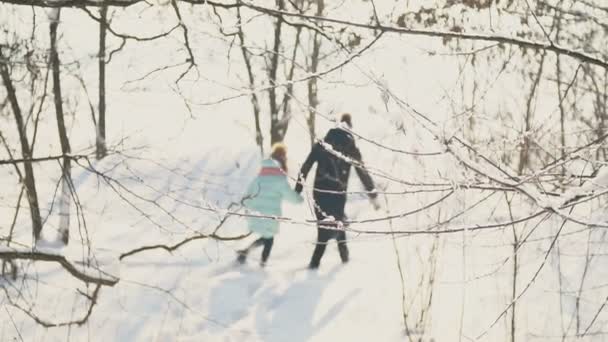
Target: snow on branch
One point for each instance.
(14, 161)
(548, 46)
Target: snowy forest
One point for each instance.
(303, 170)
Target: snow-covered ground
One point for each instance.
(453, 285)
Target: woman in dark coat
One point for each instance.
(334, 157)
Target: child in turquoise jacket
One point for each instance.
(264, 197)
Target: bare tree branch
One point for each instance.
(171, 248)
(581, 56)
(48, 324)
(42, 159)
(26, 152)
(11, 254)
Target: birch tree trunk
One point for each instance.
(66, 179)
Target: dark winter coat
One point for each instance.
(334, 157)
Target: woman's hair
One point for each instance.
(347, 119)
(279, 153)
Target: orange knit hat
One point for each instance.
(279, 153)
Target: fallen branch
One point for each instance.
(41, 159)
(60, 259)
(172, 248)
(199, 236)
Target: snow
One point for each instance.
(53, 14)
(51, 246)
(596, 185)
(199, 293)
(601, 179)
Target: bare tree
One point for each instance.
(255, 103)
(100, 140)
(66, 167)
(277, 125)
(29, 180)
(313, 98)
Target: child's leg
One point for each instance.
(243, 252)
(257, 243)
(267, 248)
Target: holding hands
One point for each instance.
(373, 198)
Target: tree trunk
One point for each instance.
(560, 97)
(524, 152)
(101, 149)
(259, 138)
(562, 114)
(286, 116)
(313, 100)
(30, 183)
(276, 132)
(66, 179)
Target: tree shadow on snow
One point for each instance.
(233, 297)
(290, 316)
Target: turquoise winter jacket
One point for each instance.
(265, 195)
